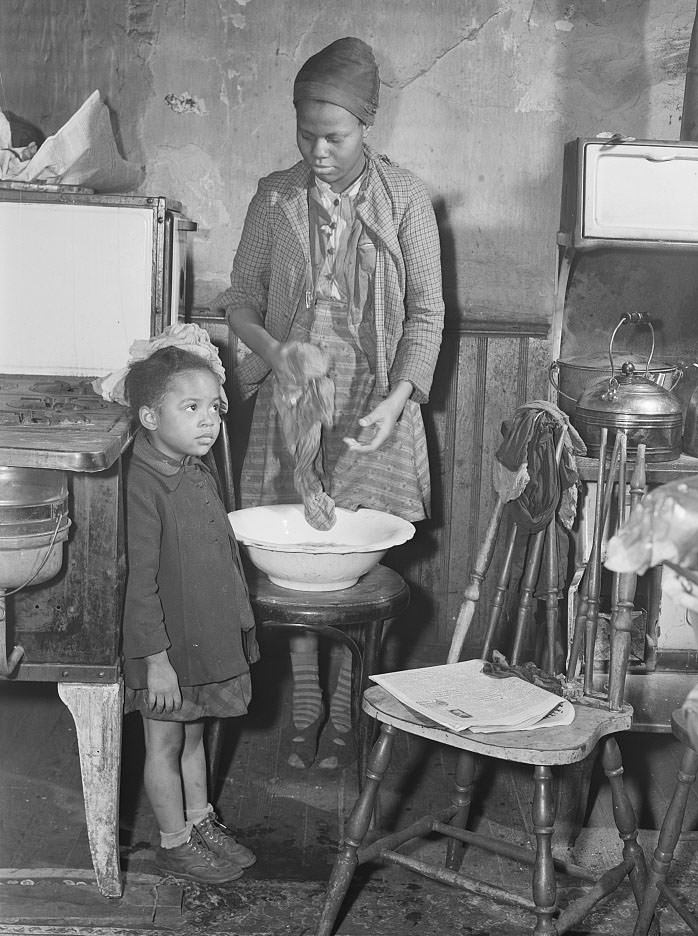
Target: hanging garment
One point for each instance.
(531, 438)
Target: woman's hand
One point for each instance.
(283, 364)
(164, 694)
(383, 418)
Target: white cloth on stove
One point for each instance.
(188, 336)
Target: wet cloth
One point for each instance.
(389, 479)
(304, 407)
(185, 590)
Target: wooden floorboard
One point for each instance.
(293, 820)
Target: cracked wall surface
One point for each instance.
(478, 98)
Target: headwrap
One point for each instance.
(343, 73)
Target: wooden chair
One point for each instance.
(599, 717)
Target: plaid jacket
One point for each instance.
(272, 270)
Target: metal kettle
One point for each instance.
(630, 401)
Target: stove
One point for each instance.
(69, 626)
(59, 422)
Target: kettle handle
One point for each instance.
(554, 381)
(635, 318)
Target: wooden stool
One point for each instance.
(359, 611)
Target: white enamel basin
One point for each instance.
(295, 555)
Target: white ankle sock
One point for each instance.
(195, 816)
(173, 839)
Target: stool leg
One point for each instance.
(356, 829)
(371, 643)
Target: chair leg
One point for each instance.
(544, 885)
(463, 794)
(573, 784)
(667, 841)
(624, 816)
(356, 828)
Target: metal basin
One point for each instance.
(33, 524)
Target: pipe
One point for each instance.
(7, 664)
(689, 114)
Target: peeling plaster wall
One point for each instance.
(478, 98)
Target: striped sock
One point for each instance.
(307, 697)
(340, 703)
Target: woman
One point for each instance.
(341, 251)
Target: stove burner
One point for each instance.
(28, 418)
(53, 403)
(59, 422)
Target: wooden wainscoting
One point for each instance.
(485, 371)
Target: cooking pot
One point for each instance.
(687, 392)
(34, 523)
(630, 401)
(570, 377)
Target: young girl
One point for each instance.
(188, 625)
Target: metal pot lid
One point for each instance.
(629, 394)
(595, 361)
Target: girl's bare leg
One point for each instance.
(193, 766)
(162, 776)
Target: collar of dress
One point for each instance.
(329, 197)
(374, 204)
(171, 470)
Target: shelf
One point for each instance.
(657, 472)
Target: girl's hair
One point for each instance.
(148, 381)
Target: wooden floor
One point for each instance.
(292, 819)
